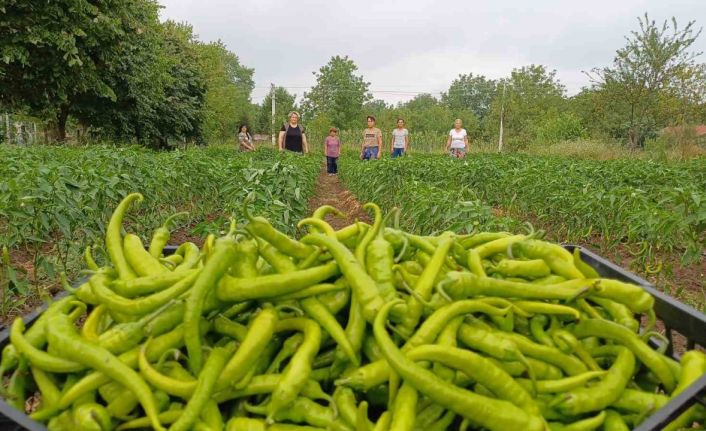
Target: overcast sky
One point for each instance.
(412, 46)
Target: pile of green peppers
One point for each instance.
(366, 328)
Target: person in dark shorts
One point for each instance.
(292, 136)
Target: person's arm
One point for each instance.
(305, 145)
(280, 141)
(380, 145)
(247, 143)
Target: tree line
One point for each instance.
(653, 82)
(114, 71)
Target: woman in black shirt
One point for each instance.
(292, 137)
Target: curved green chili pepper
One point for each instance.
(88, 258)
(363, 286)
(362, 246)
(146, 285)
(614, 331)
(693, 367)
(259, 335)
(207, 380)
(317, 311)
(404, 409)
(139, 259)
(480, 238)
(161, 235)
(40, 358)
(145, 304)
(601, 394)
(458, 285)
(261, 227)
(562, 385)
(114, 240)
(589, 424)
(224, 252)
(297, 372)
(532, 269)
(249, 424)
(96, 379)
(63, 337)
(425, 286)
(480, 370)
(490, 413)
(270, 286)
(557, 257)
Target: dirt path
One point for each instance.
(331, 191)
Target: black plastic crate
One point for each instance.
(677, 317)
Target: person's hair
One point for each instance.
(294, 113)
(370, 117)
(333, 129)
(400, 119)
(240, 129)
(459, 120)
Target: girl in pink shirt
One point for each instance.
(333, 149)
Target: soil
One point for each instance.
(330, 191)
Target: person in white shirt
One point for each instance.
(400, 140)
(457, 143)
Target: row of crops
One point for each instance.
(654, 207)
(56, 201)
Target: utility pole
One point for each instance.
(7, 128)
(272, 90)
(502, 114)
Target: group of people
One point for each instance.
(293, 138)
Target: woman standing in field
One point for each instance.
(400, 140)
(245, 139)
(291, 135)
(332, 144)
(457, 143)
(371, 148)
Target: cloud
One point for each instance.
(422, 45)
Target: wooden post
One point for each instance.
(272, 89)
(502, 114)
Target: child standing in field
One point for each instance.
(371, 148)
(333, 150)
(400, 140)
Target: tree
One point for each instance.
(532, 95)
(56, 53)
(646, 72)
(470, 92)
(284, 104)
(425, 113)
(228, 88)
(339, 93)
(159, 94)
